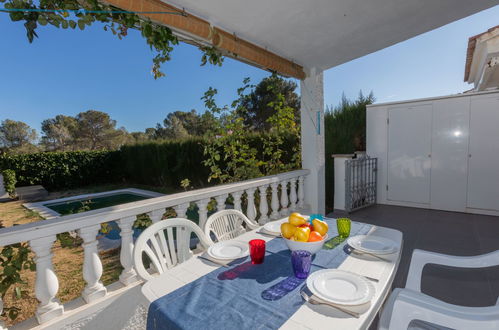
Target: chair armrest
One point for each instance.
(421, 258)
(407, 305)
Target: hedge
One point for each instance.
(62, 170)
(9, 180)
(157, 163)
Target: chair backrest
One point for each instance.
(166, 244)
(226, 225)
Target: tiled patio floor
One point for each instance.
(444, 232)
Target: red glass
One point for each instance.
(257, 251)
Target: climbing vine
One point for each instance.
(72, 14)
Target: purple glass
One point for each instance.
(301, 261)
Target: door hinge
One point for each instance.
(387, 121)
(386, 187)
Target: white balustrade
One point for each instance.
(181, 210)
(128, 275)
(203, 211)
(92, 266)
(237, 200)
(301, 192)
(292, 194)
(221, 202)
(251, 211)
(156, 215)
(274, 201)
(264, 208)
(284, 197)
(42, 235)
(46, 284)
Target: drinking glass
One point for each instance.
(301, 261)
(257, 251)
(343, 225)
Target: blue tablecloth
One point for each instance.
(244, 296)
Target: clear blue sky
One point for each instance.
(69, 71)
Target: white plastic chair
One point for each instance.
(227, 224)
(166, 243)
(409, 304)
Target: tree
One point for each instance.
(257, 104)
(182, 124)
(96, 130)
(59, 133)
(16, 134)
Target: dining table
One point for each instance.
(379, 271)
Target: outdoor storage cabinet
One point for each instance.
(439, 153)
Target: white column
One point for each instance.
(181, 210)
(128, 275)
(156, 215)
(284, 197)
(292, 194)
(92, 266)
(202, 211)
(301, 192)
(274, 201)
(264, 208)
(47, 284)
(312, 140)
(251, 211)
(237, 200)
(221, 202)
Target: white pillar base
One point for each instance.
(49, 312)
(91, 295)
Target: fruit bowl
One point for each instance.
(312, 247)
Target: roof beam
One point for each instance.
(199, 29)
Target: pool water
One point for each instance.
(94, 203)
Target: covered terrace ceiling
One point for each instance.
(326, 33)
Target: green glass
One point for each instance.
(343, 225)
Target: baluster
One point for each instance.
(47, 284)
(203, 211)
(264, 208)
(156, 215)
(292, 194)
(181, 210)
(284, 197)
(251, 211)
(128, 275)
(274, 202)
(2, 325)
(301, 193)
(237, 200)
(92, 266)
(221, 202)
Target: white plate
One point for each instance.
(340, 287)
(228, 250)
(372, 244)
(274, 227)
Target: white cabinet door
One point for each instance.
(449, 154)
(483, 175)
(409, 150)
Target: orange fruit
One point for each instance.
(315, 237)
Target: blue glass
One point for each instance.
(316, 216)
(301, 261)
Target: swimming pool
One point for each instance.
(77, 204)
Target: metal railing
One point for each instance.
(360, 183)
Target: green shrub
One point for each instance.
(9, 181)
(62, 170)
